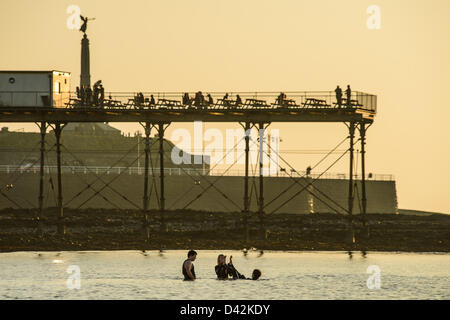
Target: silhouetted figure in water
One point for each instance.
(188, 267)
(348, 93)
(224, 271)
(338, 96)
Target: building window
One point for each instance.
(57, 88)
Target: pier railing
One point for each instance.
(10, 169)
(193, 100)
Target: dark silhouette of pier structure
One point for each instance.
(157, 110)
(256, 110)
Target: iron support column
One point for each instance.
(43, 129)
(362, 131)
(146, 173)
(61, 226)
(261, 178)
(161, 168)
(350, 183)
(246, 199)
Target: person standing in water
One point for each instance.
(188, 267)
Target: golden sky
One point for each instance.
(260, 45)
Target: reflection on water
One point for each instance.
(285, 275)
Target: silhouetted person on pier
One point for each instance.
(281, 98)
(186, 99)
(225, 101)
(202, 98)
(238, 100)
(152, 100)
(348, 93)
(88, 96)
(101, 95)
(139, 99)
(95, 95)
(338, 91)
(78, 93)
(83, 95)
(210, 99)
(308, 171)
(198, 99)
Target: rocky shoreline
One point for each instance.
(101, 229)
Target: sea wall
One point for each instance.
(125, 191)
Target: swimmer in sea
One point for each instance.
(188, 266)
(224, 271)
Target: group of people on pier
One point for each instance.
(348, 93)
(96, 97)
(91, 97)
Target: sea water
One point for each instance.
(285, 275)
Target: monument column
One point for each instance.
(85, 77)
